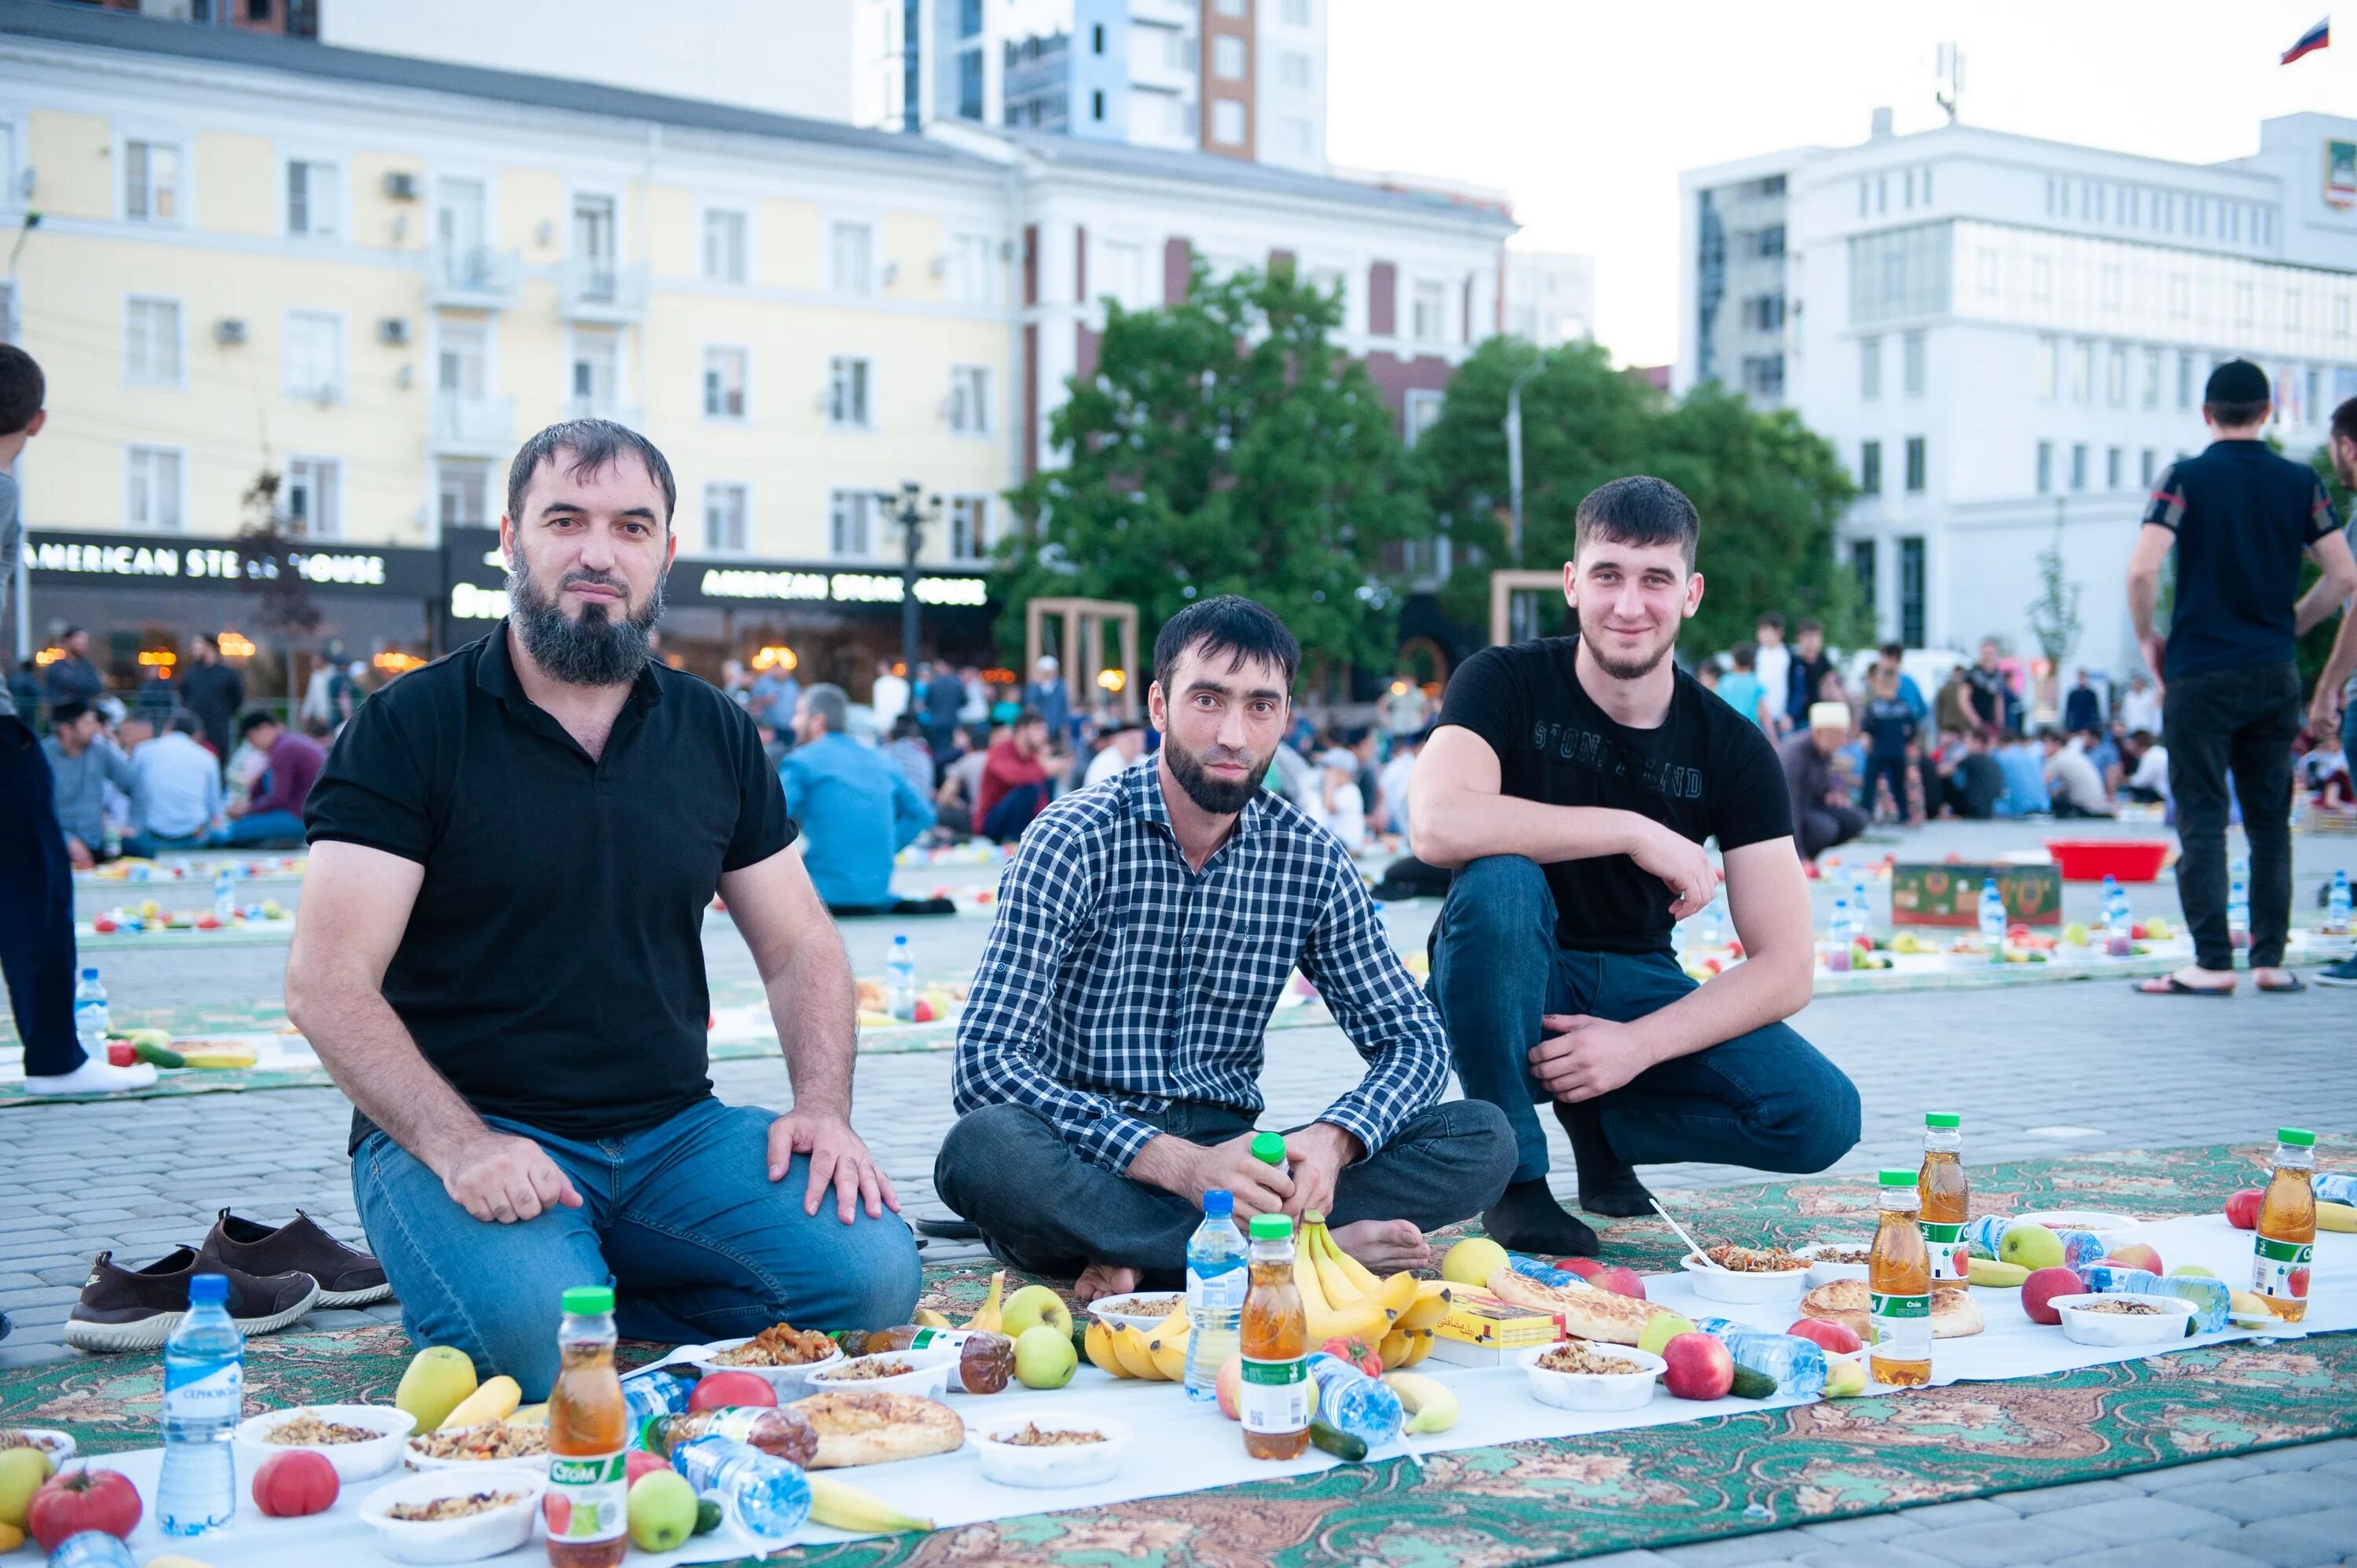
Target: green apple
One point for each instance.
(2032, 1246)
(1032, 1305)
(661, 1511)
(1044, 1357)
(22, 1471)
(1659, 1329)
(2194, 1269)
(1845, 1377)
(1473, 1260)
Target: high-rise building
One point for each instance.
(2006, 340)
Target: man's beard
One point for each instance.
(592, 649)
(1633, 669)
(1217, 796)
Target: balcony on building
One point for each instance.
(629, 415)
(474, 278)
(472, 426)
(601, 291)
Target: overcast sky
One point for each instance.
(1585, 113)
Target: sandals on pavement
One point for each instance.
(2169, 986)
(2291, 986)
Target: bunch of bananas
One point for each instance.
(1156, 1355)
(1344, 1300)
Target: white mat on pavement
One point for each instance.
(1183, 1447)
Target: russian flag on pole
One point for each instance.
(2315, 39)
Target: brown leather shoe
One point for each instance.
(136, 1309)
(346, 1276)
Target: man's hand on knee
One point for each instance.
(1587, 1056)
(503, 1178)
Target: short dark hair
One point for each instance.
(1230, 624)
(2050, 734)
(254, 719)
(1808, 624)
(2143, 738)
(1773, 620)
(210, 640)
(2235, 415)
(22, 389)
(65, 713)
(1892, 650)
(2344, 420)
(74, 631)
(1745, 654)
(1029, 716)
(906, 727)
(595, 444)
(1638, 509)
(183, 723)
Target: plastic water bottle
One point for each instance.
(1712, 936)
(1798, 1365)
(900, 980)
(90, 1015)
(93, 1549)
(2211, 1298)
(224, 898)
(766, 1497)
(2335, 904)
(1837, 957)
(1217, 1278)
(204, 1397)
(2335, 1186)
(1993, 921)
(652, 1396)
(1351, 1401)
(2238, 907)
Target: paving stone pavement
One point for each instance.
(2039, 1071)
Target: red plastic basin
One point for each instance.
(2091, 860)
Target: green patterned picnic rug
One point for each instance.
(1552, 1499)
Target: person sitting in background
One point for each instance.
(2074, 787)
(2102, 749)
(773, 696)
(2324, 774)
(1125, 743)
(1048, 696)
(179, 801)
(1889, 725)
(1821, 813)
(1707, 672)
(1015, 779)
(1954, 709)
(857, 808)
(2082, 710)
(272, 814)
(961, 786)
(82, 763)
(1337, 805)
(908, 751)
(1973, 780)
(2024, 768)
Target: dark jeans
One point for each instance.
(2243, 721)
(1879, 768)
(1819, 828)
(897, 906)
(2066, 810)
(37, 934)
(1047, 1210)
(1005, 822)
(1766, 1099)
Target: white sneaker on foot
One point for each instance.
(93, 1077)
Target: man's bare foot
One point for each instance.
(2275, 979)
(1101, 1280)
(1385, 1246)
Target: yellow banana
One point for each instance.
(495, 1399)
(843, 1507)
(1305, 1279)
(1129, 1346)
(1167, 1347)
(2336, 1216)
(1362, 1319)
(1419, 1346)
(987, 1319)
(1393, 1352)
(1430, 1305)
(1332, 1283)
(1362, 1278)
(1431, 1406)
(927, 1318)
(1099, 1341)
(1396, 1293)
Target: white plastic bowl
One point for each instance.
(927, 1377)
(1118, 1308)
(1084, 1465)
(2173, 1321)
(2113, 1228)
(792, 1382)
(353, 1461)
(1592, 1391)
(1822, 1271)
(57, 1445)
(417, 1461)
(1714, 1283)
(465, 1540)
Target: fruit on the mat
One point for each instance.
(639, 1462)
(1033, 1305)
(1845, 1377)
(1990, 1272)
(1661, 1329)
(715, 1391)
(11, 1538)
(2043, 1286)
(1619, 1282)
(1473, 1260)
(1430, 1404)
(1165, 1346)
(530, 1415)
(2075, 934)
(2158, 929)
(1129, 1349)
(927, 1318)
(661, 1511)
(1748, 1384)
(1430, 1305)
(1699, 1367)
(80, 1500)
(845, 1507)
(989, 1318)
(2138, 1255)
(22, 1471)
(2339, 1217)
(299, 1482)
(2033, 1247)
(1355, 1352)
(437, 1379)
(2243, 1209)
(493, 1400)
(2247, 1303)
(1044, 1357)
(708, 1514)
(1228, 1386)
(1586, 1268)
(1838, 1337)
(1098, 1341)
(2195, 1270)
(219, 1057)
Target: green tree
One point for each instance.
(1223, 445)
(2317, 646)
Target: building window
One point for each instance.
(1231, 7)
(460, 486)
(1419, 411)
(969, 78)
(315, 201)
(1121, 273)
(151, 182)
(313, 503)
(2078, 466)
(314, 361)
(2112, 286)
(1768, 243)
(1915, 465)
(1764, 313)
(1096, 105)
(852, 247)
(2149, 468)
(1865, 566)
(1300, 137)
(1763, 375)
(723, 384)
(1912, 358)
(2050, 368)
(1228, 58)
(1228, 121)
(2115, 467)
(596, 382)
(2151, 398)
(847, 393)
(2116, 376)
(2246, 304)
(1912, 591)
(969, 528)
(849, 524)
(1985, 271)
(1429, 313)
(2184, 381)
(974, 270)
(1869, 468)
(2041, 279)
(1294, 13)
(724, 519)
(1096, 38)
(1292, 71)
(151, 341)
(152, 488)
(2045, 466)
(2341, 316)
(2082, 372)
(724, 247)
(969, 401)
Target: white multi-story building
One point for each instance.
(2005, 338)
(1550, 297)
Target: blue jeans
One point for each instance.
(265, 827)
(682, 1218)
(147, 845)
(1767, 1099)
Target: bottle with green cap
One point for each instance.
(1947, 1196)
(1268, 1148)
(1898, 1287)
(1273, 1393)
(589, 1427)
(2283, 1247)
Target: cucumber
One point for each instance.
(1337, 1442)
(157, 1055)
(707, 1515)
(1751, 1385)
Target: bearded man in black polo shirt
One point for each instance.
(499, 957)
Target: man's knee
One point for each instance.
(989, 1150)
(1499, 892)
(1481, 1146)
(880, 1272)
(1820, 1122)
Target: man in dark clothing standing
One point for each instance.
(212, 691)
(1805, 687)
(75, 679)
(2083, 711)
(2239, 519)
(943, 695)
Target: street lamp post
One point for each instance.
(911, 508)
(1514, 450)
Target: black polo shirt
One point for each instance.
(552, 967)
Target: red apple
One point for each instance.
(715, 1391)
(1838, 1337)
(922, 1013)
(2243, 1209)
(1618, 1281)
(2138, 1255)
(68, 1504)
(1700, 1368)
(639, 1462)
(299, 1482)
(2043, 1286)
(1586, 1268)
(1229, 1385)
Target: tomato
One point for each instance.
(716, 1389)
(295, 1483)
(68, 1504)
(1355, 1352)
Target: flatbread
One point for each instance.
(872, 1425)
(1953, 1315)
(1586, 1312)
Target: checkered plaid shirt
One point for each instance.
(1117, 981)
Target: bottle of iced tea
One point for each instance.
(1899, 1288)
(1946, 1197)
(1273, 1397)
(2285, 1243)
(588, 1426)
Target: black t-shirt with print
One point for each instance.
(1705, 773)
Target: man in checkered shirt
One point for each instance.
(1108, 1059)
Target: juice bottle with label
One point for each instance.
(2286, 1244)
(1946, 1197)
(1273, 1398)
(589, 1427)
(1899, 1288)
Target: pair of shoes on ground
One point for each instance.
(276, 1274)
(2341, 973)
(95, 1076)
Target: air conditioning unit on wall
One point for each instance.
(400, 184)
(393, 330)
(228, 332)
